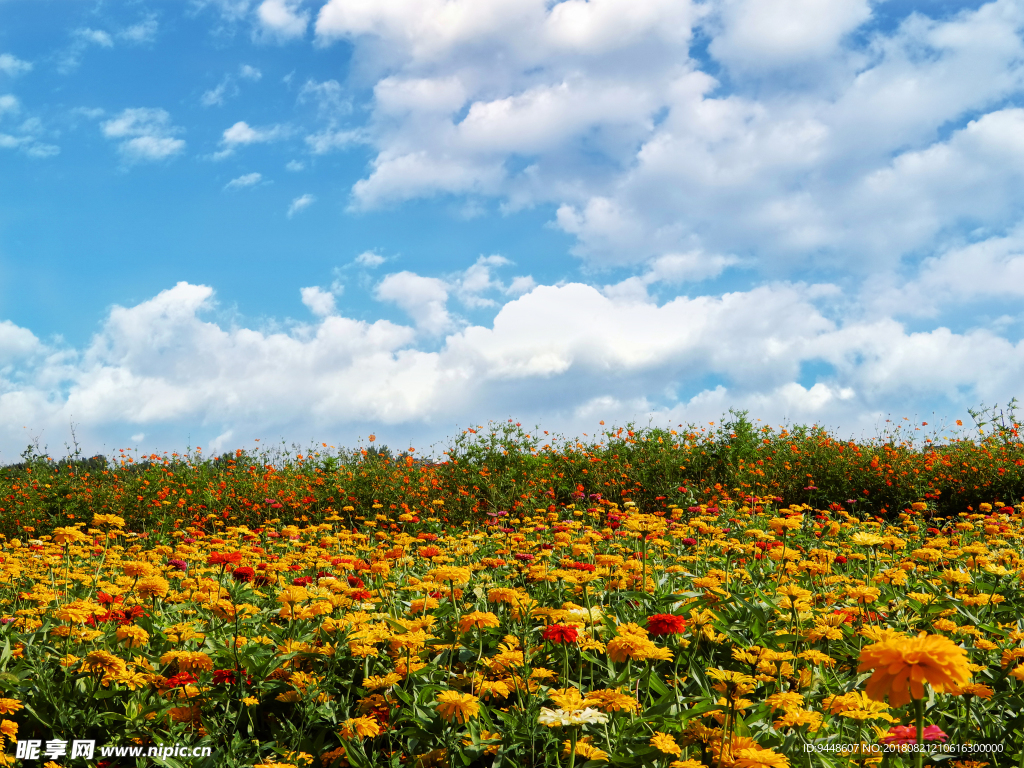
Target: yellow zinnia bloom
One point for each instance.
(460, 707)
(360, 727)
(903, 665)
(665, 743)
(479, 620)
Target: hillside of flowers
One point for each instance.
(726, 595)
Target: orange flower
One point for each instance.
(902, 666)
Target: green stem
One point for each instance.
(919, 712)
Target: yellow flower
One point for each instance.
(135, 635)
(584, 749)
(9, 728)
(360, 727)
(136, 568)
(77, 612)
(68, 536)
(609, 700)
(193, 662)
(903, 665)
(250, 700)
(665, 743)
(460, 707)
(755, 757)
(102, 661)
(479, 620)
(569, 698)
(374, 682)
(153, 586)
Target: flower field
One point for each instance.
(729, 597)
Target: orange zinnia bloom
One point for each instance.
(903, 665)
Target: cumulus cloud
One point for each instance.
(319, 301)
(566, 354)
(144, 134)
(242, 134)
(143, 32)
(369, 259)
(282, 19)
(785, 144)
(424, 299)
(300, 203)
(12, 66)
(247, 180)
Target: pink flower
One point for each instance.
(907, 734)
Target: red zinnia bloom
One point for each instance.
(355, 581)
(224, 677)
(302, 581)
(181, 679)
(560, 633)
(665, 624)
(224, 558)
(245, 573)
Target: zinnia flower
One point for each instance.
(754, 757)
(460, 707)
(902, 665)
(907, 734)
(361, 727)
(665, 624)
(555, 717)
(478, 619)
(665, 743)
(560, 633)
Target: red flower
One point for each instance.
(245, 573)
(302, 581)
(355, 581)
(224, 677)
(181, 679)
(665, 624)
(560, 633)
(224, 558)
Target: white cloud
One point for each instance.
(300, 203)
(282, 19)
(369, 259)
(294, 166)
(228, 88)
(242, 134)
(215, 96)
(12, 66)
(9, 104)
(786, 157)
(247, 180)
(330, 140)
(566, 355)
(424, 299)
(95, 37)
(144, 134)
(143, 32)
(520, 285)
(764, 34)
(319, 301)
(328, 96)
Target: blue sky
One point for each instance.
(287, 219)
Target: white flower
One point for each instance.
(555, 717)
